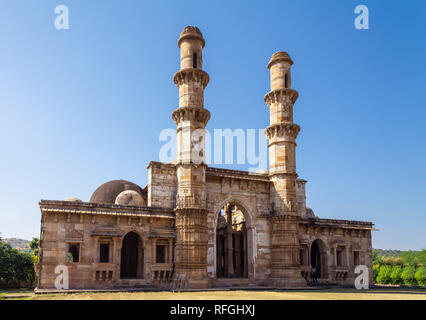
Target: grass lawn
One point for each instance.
(329, 294)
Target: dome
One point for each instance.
(280, 56)
(130, 198)
(310, 213)
(108, 192)
(73, 199)
(191, 32)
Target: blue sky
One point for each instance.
(83, 106)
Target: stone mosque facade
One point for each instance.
(195, 226)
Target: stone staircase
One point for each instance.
(233, 283)
(133, 283)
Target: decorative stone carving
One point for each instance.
(192, 114)
(285, 130)
(281, 96)
(191, 75)
(188, 200)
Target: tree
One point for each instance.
(420, 276)
(376, 269)
(396, 275)
(376, 258)
(34, 246)
(408, 257)
(408, 275)
(384, 274)
(16, 268)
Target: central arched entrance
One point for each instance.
(316, 257)
(231, 243)
(131, 257)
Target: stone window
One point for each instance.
(74, 252)
(286, 81)
(161, 254)
(194, 60)
(104, 252)
(356, 258)
(339, 255)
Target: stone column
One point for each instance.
(245, 250)
(191, 119)
(170, 251)
(238, 269)
(219, 254)
(225, 254)
(97, 253)
(230, 248)
(347, 256)
(117, 256)
(154, 251)
(282, 133)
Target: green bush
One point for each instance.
(384, 275)
(408, 276)
(376, 269)
(396, 275)
(420, 276)
(16, 268)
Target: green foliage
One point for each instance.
(34, 246)
(16, 268)
(409, 258)
(376, 269)
(396, 275)
(408, 276)
(420, 276)
(384, 275)
(407, 267)
(376, 258)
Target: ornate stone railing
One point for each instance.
(339, 273)
(104, 272)
(162, 272)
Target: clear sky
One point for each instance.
(83, 106)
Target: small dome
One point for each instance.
(279, 56)
(108, 192)
(73, 199)
(191, 32)
(130, 198)
(310, 213)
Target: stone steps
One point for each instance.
(233, 282)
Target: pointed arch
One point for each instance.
(241, 245)
(132, 256)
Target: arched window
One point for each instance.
(286, 81)
(194, 60)
(73, 250)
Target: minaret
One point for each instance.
(191, 119)
(281, 134)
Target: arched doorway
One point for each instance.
(316, 257)
(231, 243)
(131, 257)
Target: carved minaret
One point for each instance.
(282, 133)
(191, 119)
